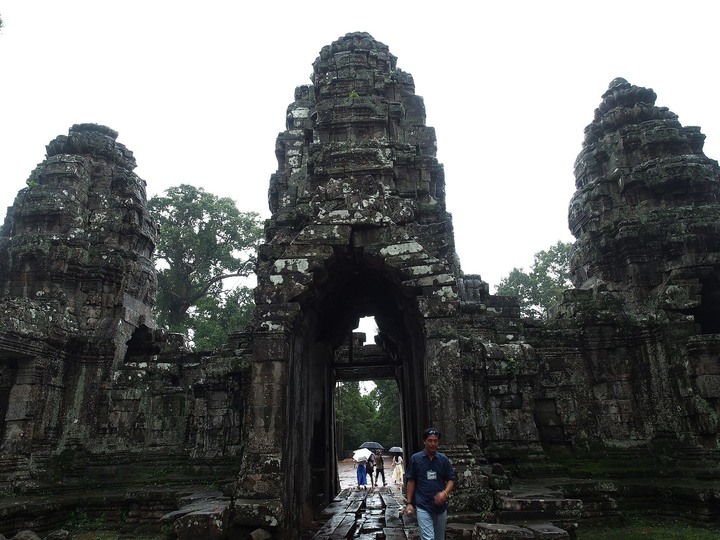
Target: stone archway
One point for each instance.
(351, 292)
(295, 346)
(359, 227)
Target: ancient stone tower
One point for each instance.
(646, 264)
(358, 228)
(77, 280)
(629, 360)
(90, 391)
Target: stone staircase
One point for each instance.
(545, 515)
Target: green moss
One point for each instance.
(240, 364)
(510, 366)
(80, 519)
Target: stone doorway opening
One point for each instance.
(366, 405)
(395, 353)
(369, 410)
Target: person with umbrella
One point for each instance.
(371, 445)
(430, 479)
(398, 471)
(360, 461)
(370, 467)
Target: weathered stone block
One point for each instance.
(708, 386)
(499, 531)
(270, 347)
(268, 512)
(326, 235)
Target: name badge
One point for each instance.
(431, 475)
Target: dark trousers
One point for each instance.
(380, 472)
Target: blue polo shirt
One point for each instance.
(430, 477)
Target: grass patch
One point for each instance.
(646, 529)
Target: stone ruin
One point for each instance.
(617, 391)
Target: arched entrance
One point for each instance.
(290, 445)
(350, 293)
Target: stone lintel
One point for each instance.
(316, 254)
(378, 236)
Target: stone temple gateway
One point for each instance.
(359, 228)
(621, 381)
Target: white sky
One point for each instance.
(198, 91)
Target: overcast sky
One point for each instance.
(198, 91)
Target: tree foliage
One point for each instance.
(373, 416)
(204, 240)
(386, 422)
(214, 317)
(539, 289)
(353, 414)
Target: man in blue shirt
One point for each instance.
(430, 479)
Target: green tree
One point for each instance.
(374, 416)
(214, 317)
(203, 241)
(385, 426)
(539, 289)
(354, 414)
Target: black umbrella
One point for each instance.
(372, 445)
(395, 450)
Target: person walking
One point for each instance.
(361, 475)
(370, 466)
(398, 470)
(379, 467)
(430, 479)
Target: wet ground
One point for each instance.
(348, 477)
(365, 514)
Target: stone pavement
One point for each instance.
(366, 514)
(377, 514)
